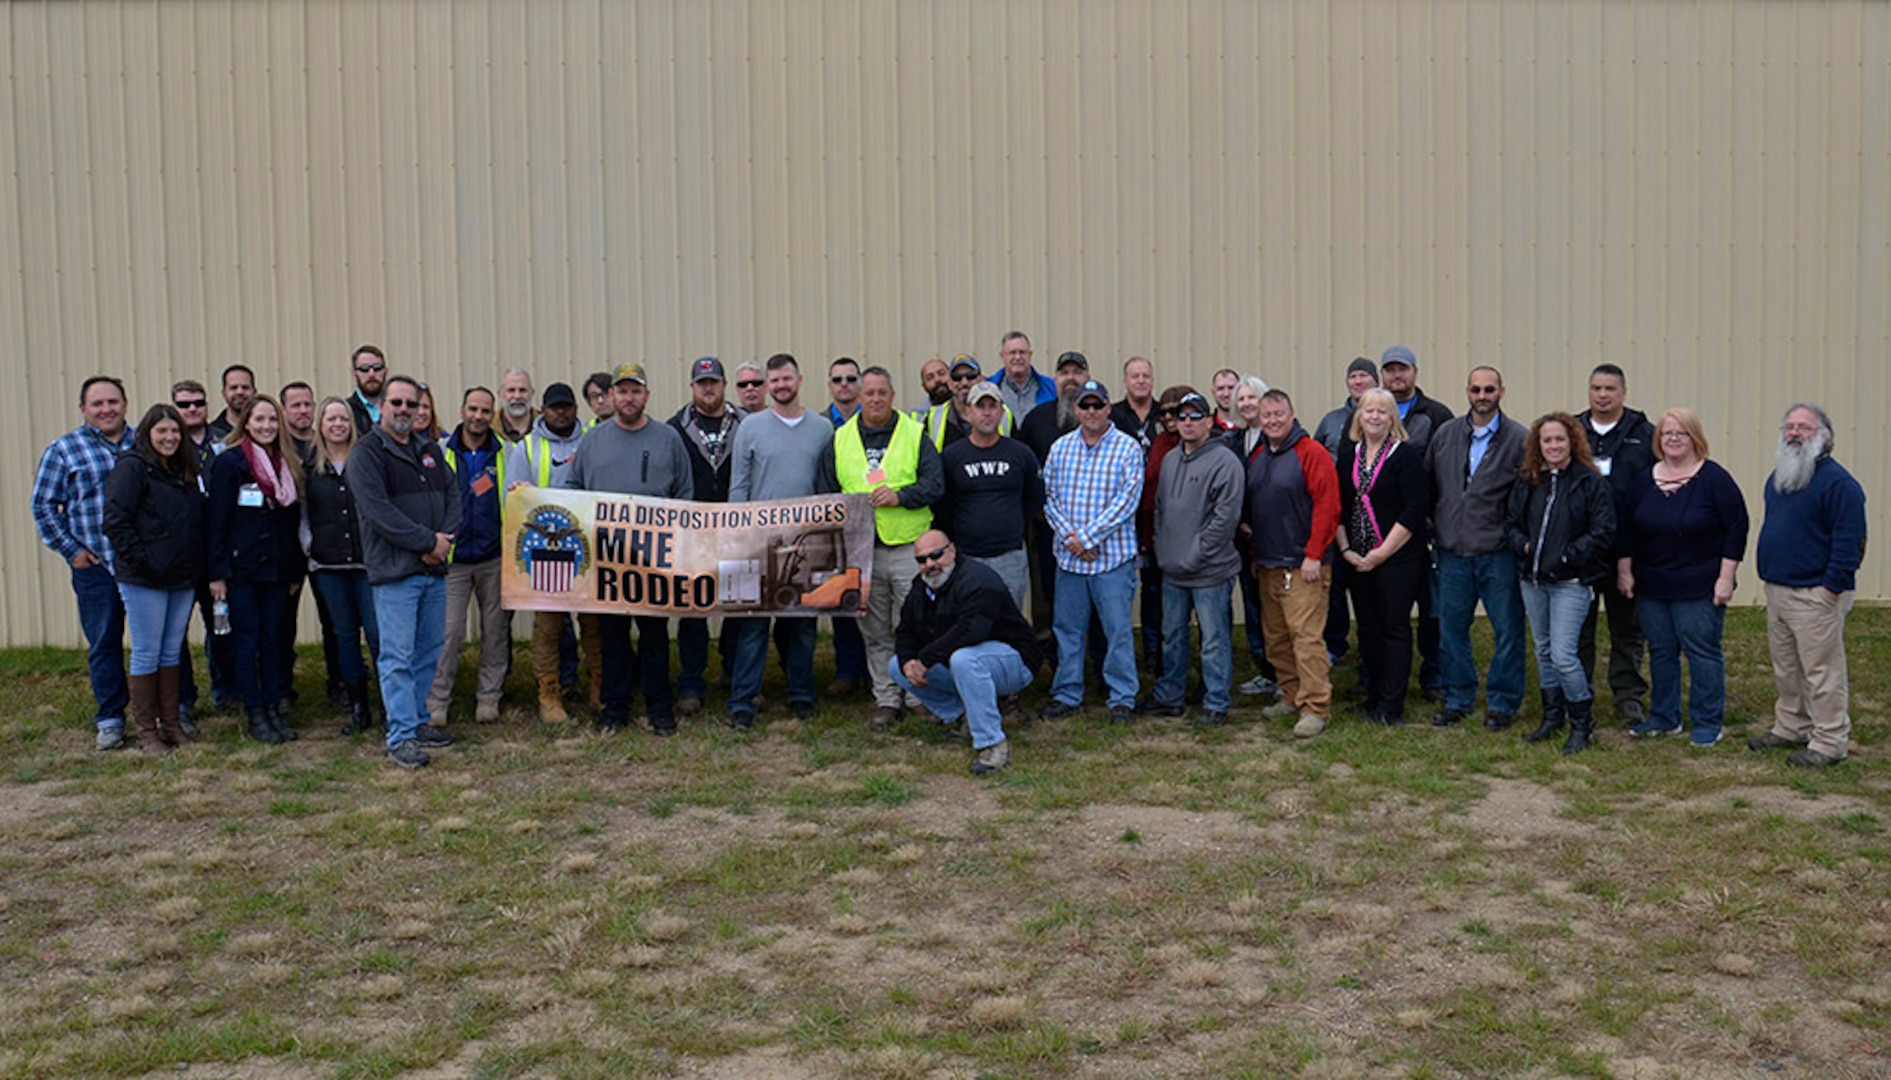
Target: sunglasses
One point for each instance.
(197, 404)
(838, 379)
(747, 384)
(366, 368)
(931, 556)
(1192, 414)
(402, 403)
(970, 376)
(1092, 403)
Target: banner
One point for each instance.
(609, 554)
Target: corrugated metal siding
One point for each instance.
(1698, 191)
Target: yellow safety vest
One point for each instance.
(936, 424)
(499, 465)
(900, 464)
(543, 465)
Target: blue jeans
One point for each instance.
(970, 683)
(1674, 627)
(795, 639)
(1557, 612)
(350, 605)
(1462, 582)
(692, 655)
(256, 624)
(1210, 603)
(411, 613)
(1109, 595)
(102, 617)
(158, 619)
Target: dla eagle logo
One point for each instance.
(552, 549)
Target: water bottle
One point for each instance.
(220, 617)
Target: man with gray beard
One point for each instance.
(1811, 545)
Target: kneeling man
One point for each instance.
(962, 644)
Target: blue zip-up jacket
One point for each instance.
(478, 538)
(1814, 536)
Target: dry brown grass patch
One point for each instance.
(382, 988)
(177, 909)
(996, 1013)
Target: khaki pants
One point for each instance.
(464, 585)
(1805, 630)
(893, 571)
(547, 628)
(1293, 624)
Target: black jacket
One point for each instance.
(710, 456)
(255, 545)
(405, 494)
(155, 522)
(973, 607)
(1561, 528)
(1424, 418)
(334, 523)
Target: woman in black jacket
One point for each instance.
(1560, 526)
(1384, 500)
(154, 519)
(331, 534)
(255, 555)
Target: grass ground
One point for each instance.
(811, 900)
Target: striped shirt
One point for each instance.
(1093, 491)
(69, 492)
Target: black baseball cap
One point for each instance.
(1072, 357)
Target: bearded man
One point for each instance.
(1811, 545)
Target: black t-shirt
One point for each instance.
(990, 494)
(1038, 430)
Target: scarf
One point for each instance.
(272, 473)
(1365, 476)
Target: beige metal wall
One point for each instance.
(1698, 191)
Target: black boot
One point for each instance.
(1552, 717)
(359, 718)
(1582, 722)
(261, 729)
(279, 720)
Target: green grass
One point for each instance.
(1149, 900)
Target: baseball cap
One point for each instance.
(1195, 399)
(629, 371)
(1072, 357)
(965, 360)
(1092, 389)
(1398, 354)
(558, 394)
(706, 368)
(980, 391)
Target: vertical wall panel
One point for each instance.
(1699, 192)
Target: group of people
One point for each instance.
(1018, 516)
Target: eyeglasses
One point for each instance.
(747, 384)
(838, 379)
(366, 368)
(1798, 429)
(1675, 435)
(197, 404)
(402, 403)
(1192, 414)
(931, 556)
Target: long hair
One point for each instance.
(1533, 469)
(1355, 433)
(240, 434)
(321, 440)
(183, 461)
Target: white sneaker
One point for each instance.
(110, 738)
(1280, 709)
(1309, 726)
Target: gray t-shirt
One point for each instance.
(649, 461)
(774, 459)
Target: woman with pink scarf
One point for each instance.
(254, 556)
(1384, 500)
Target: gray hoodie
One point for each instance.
(520, 466)
(1198, 505)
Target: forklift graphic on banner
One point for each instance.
(806, 570)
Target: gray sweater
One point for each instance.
(773, 460)
(1467, 511)
(649, 461)
(1198, 507)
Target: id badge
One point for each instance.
(483, 484)
(1603, 465)
(876, 476)
(250, 495)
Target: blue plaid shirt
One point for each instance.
(1094, 491)
(69, 492)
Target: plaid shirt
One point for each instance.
(69, 492)
(1094, 491)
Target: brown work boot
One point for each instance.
(170, 714)
(551, 701)
(144, 713)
